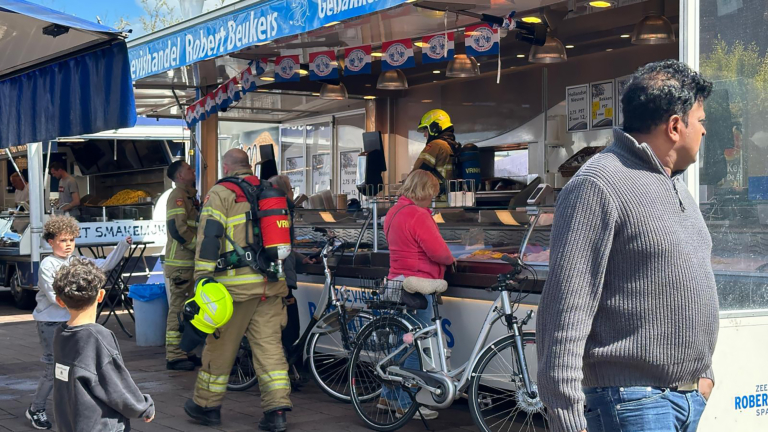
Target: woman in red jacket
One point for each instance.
(416, 248)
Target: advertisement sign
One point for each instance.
(437, 48)
(577, 105)
(287, 68)
(240, 29)
(603, 103)
(621, 83)
(294, 169)
(357, 60)
(113, 232)
(323, 65)
(349, 172)
(397, 55)
(481, 40)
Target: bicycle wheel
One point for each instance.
(497, 397)
(329, 361)
(243, 375)
(396, 404)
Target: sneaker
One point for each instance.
(422, 413)
(39, 419)
(180, 365)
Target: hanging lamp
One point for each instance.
(462, 66)
(552, 51)
(654, 28)
(392, 80)
(334, 92)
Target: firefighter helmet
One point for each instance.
(435, 122)
(210, 308)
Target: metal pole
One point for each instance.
(375, 225)
(35, 161)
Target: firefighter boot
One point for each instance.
(274, 421)
(206, 416)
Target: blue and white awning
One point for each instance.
(60, 76)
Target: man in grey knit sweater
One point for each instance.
(628, 319)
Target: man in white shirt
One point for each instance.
(22, 192)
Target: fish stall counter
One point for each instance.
(477, 237)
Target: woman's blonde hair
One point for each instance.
(420, 185)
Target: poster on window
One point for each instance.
(603, 104)
(321, 172)
(621, 83)
(349, 172)
(294, 169)
(577, 101)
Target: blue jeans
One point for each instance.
(642, 409)
(412, 362)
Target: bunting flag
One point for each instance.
(195, 113)
(397, 54)
(481, 40)
(435, 48)
(323, 65)
(357, 60)
(287, 68)
(210, 105)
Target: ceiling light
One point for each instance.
(410, 1)
(626, 36)
(426, 101)
(266, 78)
(262, 43)
(334, 92)
(532, 20)
(421, 44)
(376, 54)
(331, 24)
(520, 55)
(303, 72)
(570, 46)
(654, 29)
(552, 51)
(315, 94)
(70, 140)
(600, 4)
(367, 85)
(369, 97)
(392, 80)
(609, 50)
(436, 72)
(462, 66)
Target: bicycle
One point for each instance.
(327, 340)
(496, 378)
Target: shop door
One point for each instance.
(293, 156)
(318, 141)
(349, 139)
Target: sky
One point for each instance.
(110, 11)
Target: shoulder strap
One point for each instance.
(386, 233)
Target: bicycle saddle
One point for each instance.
(414, 284)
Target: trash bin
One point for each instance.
(151, 311)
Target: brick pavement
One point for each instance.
(20, 369)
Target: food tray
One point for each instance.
(572, 165)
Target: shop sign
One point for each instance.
(287, 68)
(113, 232)
(603, 104)
(323, 65)
(577, 105)
(357, 60)
(243, 28)
(621, 83)
(437, 48)
(349, 172)
(397, 55)
(481, 40)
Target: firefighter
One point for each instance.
(438, 155)
(182, 210)
(258, 308)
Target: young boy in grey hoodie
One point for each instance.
(93, 391)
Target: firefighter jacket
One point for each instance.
(438, 156)
(222, 216)
(181, 215)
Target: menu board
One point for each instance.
(349, 172)
(294, 169)
(603, 104)
(321, 172)
(621, 83)
(577, 98)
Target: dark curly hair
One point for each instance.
(78, 282)
(659, 90)
(60, 224)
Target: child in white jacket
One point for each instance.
(60, 232)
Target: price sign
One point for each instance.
(349, 172)
(621, 83)
(603, 104)
(577, 98)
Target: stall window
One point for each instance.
(293, 156)
(319, 136)
(734, 156)
(248, 137)
(349, 139)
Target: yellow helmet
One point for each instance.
(211, 307)
(435, 121)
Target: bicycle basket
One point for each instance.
(390, 295)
